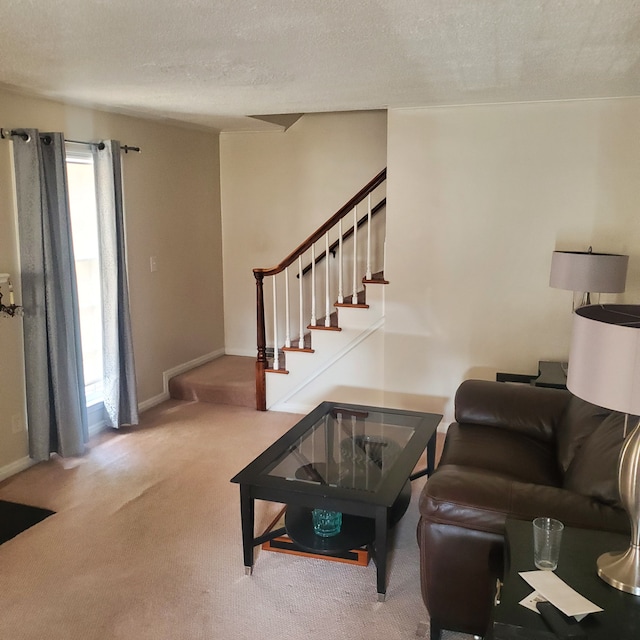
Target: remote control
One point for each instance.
(564, 627)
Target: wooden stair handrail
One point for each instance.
(345, 236)
(319, 233)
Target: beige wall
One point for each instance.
(277, 188)
(478, 198)
(172, 201)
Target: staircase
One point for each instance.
(338, 274)
(326, 297)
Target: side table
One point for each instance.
(550, 374)
(577, 567)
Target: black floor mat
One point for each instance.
(16, 518)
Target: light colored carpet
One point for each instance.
(146, 544)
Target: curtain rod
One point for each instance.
(7, 133)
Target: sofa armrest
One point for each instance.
(532, 411)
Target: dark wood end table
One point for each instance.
(552, 375)
(620, 619)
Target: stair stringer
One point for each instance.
(333, 351)
(292, 404)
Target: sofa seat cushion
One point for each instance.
(480, 500)
(503, 452)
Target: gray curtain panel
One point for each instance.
(119, 380)
(56, 407)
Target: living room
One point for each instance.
(479, 196)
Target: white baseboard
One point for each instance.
(15, 467)
(290, 407)
(152, 402)
(176, 371)
(247, 353)
(97, 425)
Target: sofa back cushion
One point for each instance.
(593, 471)
(579, 421)
(531, 411)
(502, 452)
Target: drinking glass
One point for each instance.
(547, 536)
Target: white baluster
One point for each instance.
(276, 357)
(353, 451)
(301, 339)
(327, 303)
(287, 337)
(340, 291)
(355, 256)
(339, 431)
(384, 257)
(368, 276)
(313, 285)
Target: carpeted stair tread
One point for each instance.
(226, 380)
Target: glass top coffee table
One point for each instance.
(353, 459)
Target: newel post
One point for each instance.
(261, 362)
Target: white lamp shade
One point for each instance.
(588, 272)
(4, 278)
(604, 361)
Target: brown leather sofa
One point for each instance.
(514, 450)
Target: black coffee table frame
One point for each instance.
(256, 484)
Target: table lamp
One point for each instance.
(587, 272)
(604, 369)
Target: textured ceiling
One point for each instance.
(211, 63)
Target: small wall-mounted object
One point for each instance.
(12, 309)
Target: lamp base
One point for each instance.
(621, 570)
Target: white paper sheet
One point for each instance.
(532, 600)
(559, 593)
(534, 597)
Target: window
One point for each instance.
(86, 247)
